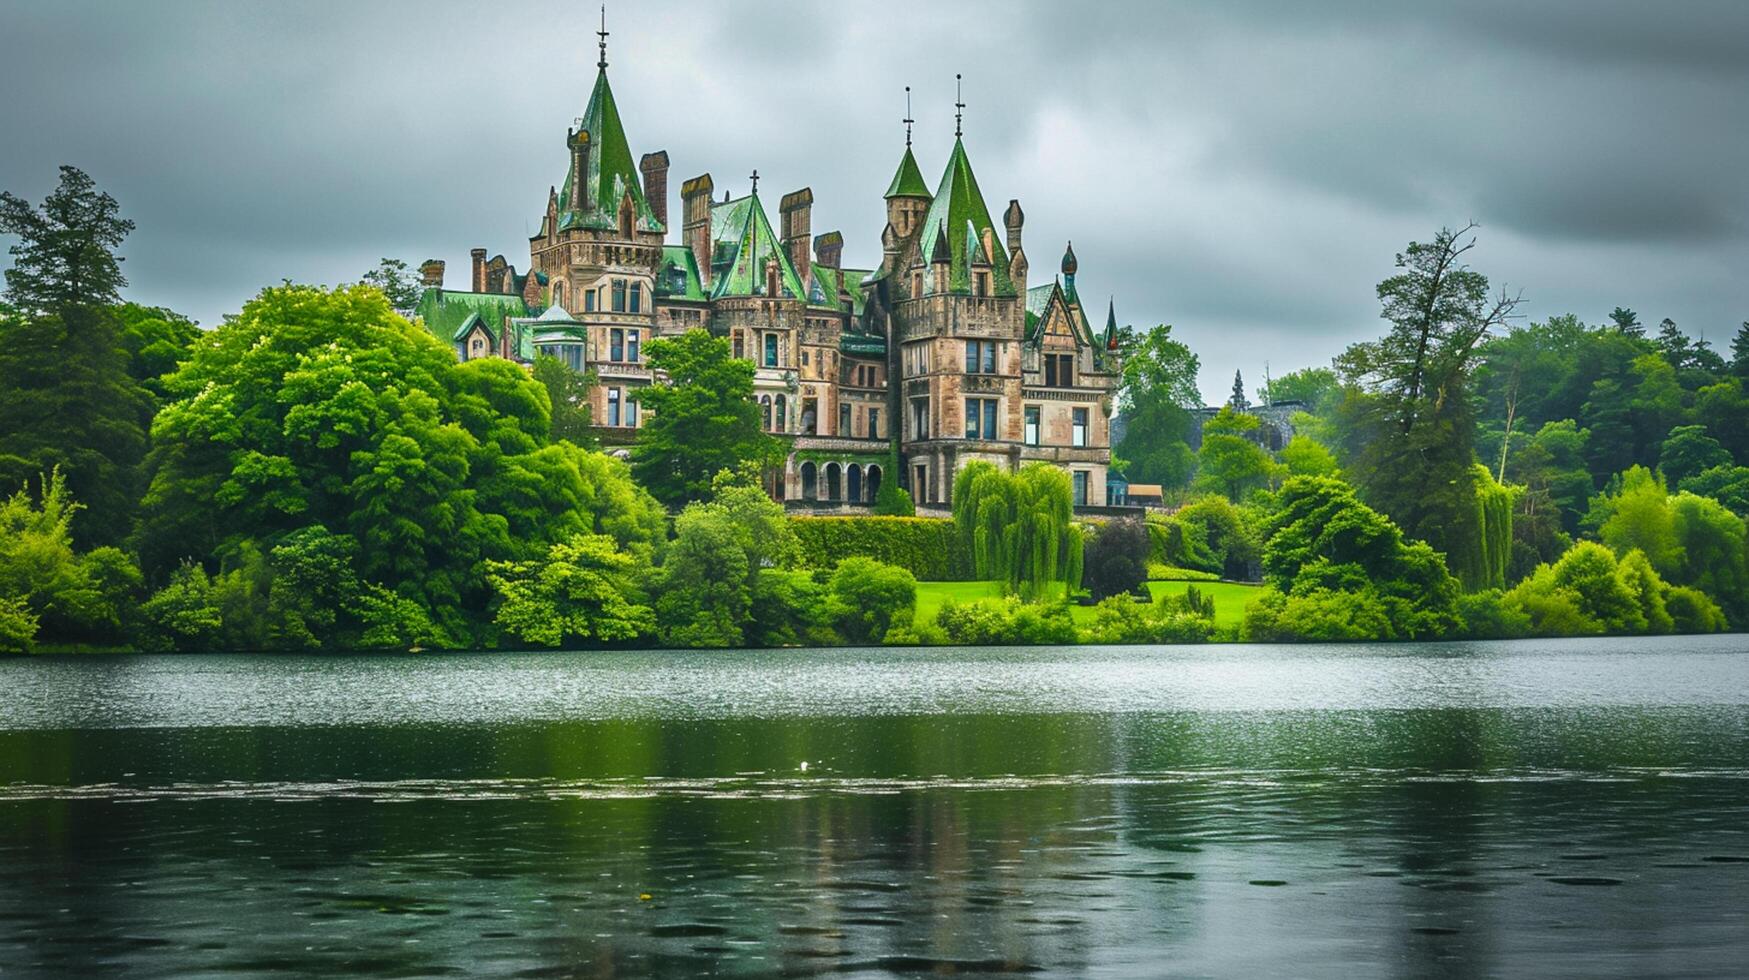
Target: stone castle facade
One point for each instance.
(939, 355)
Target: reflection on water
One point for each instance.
(1534, 809)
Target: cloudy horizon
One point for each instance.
(1245, 172)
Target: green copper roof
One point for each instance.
(592, 199)
(677, 277)
(745, 243)
(443, 311)
(959, 222)
(908, 180)
(1078, 315)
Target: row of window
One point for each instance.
(621, 297)
(622, 345)
(981, 421)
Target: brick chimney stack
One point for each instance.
(431, 273)
(479, 257)
(795, 213)
(829, 249)
(655, 169)
(695, 215)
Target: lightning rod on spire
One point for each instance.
(958, 105)
(602, 63)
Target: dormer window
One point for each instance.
(981, 284)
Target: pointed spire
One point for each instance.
(1069, 262)
(959, 105)
(602, 63)
(1111, 323)
(908, 120)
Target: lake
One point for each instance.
(1568, 808)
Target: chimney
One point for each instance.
(695, 212)
(431, 271)
(1013, 218)
(479, 257)
(796, 217)
(829, 250)
(655, 170)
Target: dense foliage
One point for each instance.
(318, 472)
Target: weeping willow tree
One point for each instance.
(1019, 528)
(1481, 563)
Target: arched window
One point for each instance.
(853, 481)
(874, 482)
(782, 413)
(832, 481)
(810, 481)
(765, 412)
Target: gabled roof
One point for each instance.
(745, 243)
(444, 311)
(677, 277)
(592, 199)
(1040, 299)
(467, 327)
(908, 179)
(958, 217)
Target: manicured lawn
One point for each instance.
(931, 595)
(1230, 597)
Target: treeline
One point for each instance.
(1521, 457)
(317, 472)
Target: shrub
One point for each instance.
(789, 609)
(1486, 616)
(1116, 559)
(1692, 612)
(1121, 619)
(892, 500)
(1006, 621)
(868, 597)
(1318, 615)
(924, 546)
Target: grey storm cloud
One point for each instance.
(1244, 171)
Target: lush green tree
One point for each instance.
(701, 589)
(1691, 611)
(1627, 321)
(1589, 592)
(1317, 388)
(1322, 538)
(316, 408)
(1228, 532)
(1740, 351)
(400, 284)
(70, 597)
(1687, 451)
(868, 598)
(1729, 485)
(702, 418)
(1714, 546)
(1407, 424)
(157, 341)
(1318, 615)
(1305, 456)
(1724, 409)
(1230, 461)
(1157, 392)
(65, 254)
(1019, 527)
(1115, 562)
(790, 608)
(67, 398)
(585, 590)
(568, 394)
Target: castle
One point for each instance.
(939, 355)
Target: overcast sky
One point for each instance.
(1245, 171)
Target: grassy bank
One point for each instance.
(1230, 597)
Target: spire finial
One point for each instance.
(907, 120)
(602, 63)
(959, 105)
(755, 179)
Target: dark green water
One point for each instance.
(1548, 809)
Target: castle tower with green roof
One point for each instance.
(937, 356)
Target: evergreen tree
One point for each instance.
(67, 397)
(1627, 321)
(1740, 351)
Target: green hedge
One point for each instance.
(925, 546)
